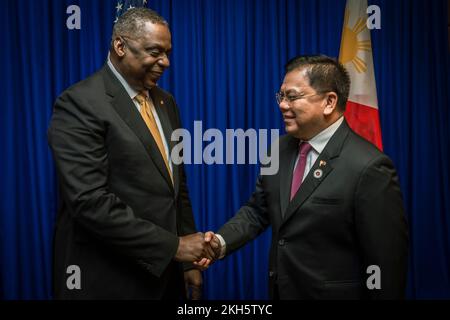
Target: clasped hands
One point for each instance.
(201, 249)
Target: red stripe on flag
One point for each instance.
(365, 121)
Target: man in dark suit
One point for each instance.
(335, 206)
(125, 221)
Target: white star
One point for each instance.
(119, 6)
(145, 2)
(131, 7)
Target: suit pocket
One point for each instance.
(342, 290)
(329, 201)
(342, 282)
(80, 235)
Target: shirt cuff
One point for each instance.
(223, 245)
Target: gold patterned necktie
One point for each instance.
(150, 121)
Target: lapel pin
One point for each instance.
(318, 173)
(322, 163)
(162, 102)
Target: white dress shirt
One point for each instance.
(133, 93)
(318, 143)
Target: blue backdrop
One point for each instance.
(226, 65)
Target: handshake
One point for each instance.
(201, 249)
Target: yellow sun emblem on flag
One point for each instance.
(350, 44)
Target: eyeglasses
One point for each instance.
(154, 52)
(280, 96)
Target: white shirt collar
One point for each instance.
(320, 140)
(131, 92)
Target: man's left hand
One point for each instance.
(193, 282)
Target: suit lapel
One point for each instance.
(126, 109)
(287, 156)
(310, 183)
(319, 171)
(161, 108)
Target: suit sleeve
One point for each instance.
(186, 222)
(249, 222)
(77, 139)
(381, 228)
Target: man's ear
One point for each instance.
(331, 103)
(119, 46)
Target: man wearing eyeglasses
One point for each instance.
(335, 206)
(126, 222)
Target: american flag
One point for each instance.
(124, 5)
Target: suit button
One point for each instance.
(281, 242)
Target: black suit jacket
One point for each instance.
(335, 227)
(120, 215)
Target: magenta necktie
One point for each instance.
(299, 171)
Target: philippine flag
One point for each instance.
(356, 55)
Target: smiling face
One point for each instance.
(305, 111)
(143, 58)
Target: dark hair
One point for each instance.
(325, 74)
(132, 21)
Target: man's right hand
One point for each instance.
(191, 248)
(213, 250)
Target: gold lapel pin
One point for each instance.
(162, 102)
(322, 163)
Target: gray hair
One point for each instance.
(133, 20)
